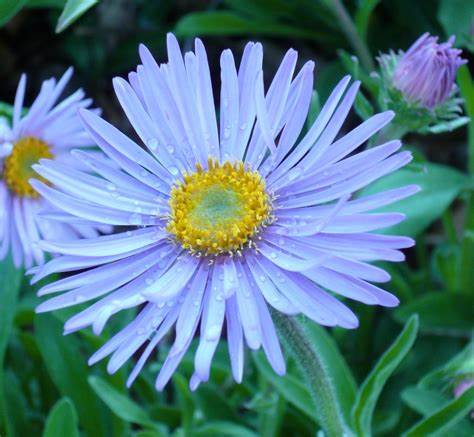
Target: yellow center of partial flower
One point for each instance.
(17, 166)
(219, 210)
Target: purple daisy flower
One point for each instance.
(48, 130)
(426, 73)
(227, 220)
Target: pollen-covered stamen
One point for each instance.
(219, 210)
(17, 169)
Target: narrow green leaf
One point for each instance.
(224, 429)
(10, 281)
(72, 11)
(426, 402)
(458, 366)
(362, 16)
(456, 18)
(228, 23)
(68, 370)
(439, 184)
(445, 417)
(121, 405)
(441, 312)
(291, 388)
(9, 8)
(371, 388)
(62, 420)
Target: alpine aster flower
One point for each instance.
(48, 130)
(426, 73)
(225, 221)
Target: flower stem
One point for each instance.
(350, 31)
(318, 380)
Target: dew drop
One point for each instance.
(152, 143)
(213, 333)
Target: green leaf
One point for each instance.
(445, 417)
(423, 401)
(426, 402)
(9, 8)
(459, 366)
(72, 11)
(10, 281)
(371, 388)
(328, 352)
(186, 402)
(439, 184)
(224, 429)
(121, 405)
(362, 16)
(441, 312)
(291, 388)
(62, 420)
(456, 18)
(68, 370)
(228, 23)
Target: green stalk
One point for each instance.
(449, 228)
(317, 378)
(350, 31)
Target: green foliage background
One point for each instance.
(396, 374)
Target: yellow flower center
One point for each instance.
(219, 210)
(17, 166)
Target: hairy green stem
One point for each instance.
(350, 31)
(317, 378)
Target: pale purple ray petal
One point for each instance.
(171, 284)
(315, 131)
(128, 348)
(270, 342)
(248, 309)
(111, 140)
(18, 103)
(211, 328)
(191, 309)
(120, 243)
(271, 293)
(250, 65)
(18, 218)
(235, 339)
(229, 116)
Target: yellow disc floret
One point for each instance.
(17, 169)
(219, 210)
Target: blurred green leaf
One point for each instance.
(439, 184)
(456, 17)
(62, 420)
(362, 16)
(223, 429)
(291, 388)
(328, 352)
(371, 388)
(120, 404)
(445, 417)
(228, 23)
(186, 402)
(72, 11)
(9, 8)
(458, 367)
(426, 402)
(69, 371)
(9, 290)
(441, 312)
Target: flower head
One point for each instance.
(426, 73)
(220, 223)
(47, 130)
